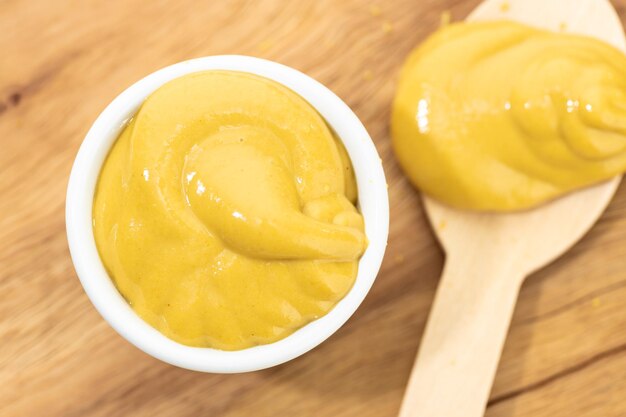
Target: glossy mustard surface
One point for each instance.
(501, 116)
(225, 212)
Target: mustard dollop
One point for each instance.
(225, 212)
(502, 116)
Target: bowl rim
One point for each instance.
(373, 202)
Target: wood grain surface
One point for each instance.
(62, 61)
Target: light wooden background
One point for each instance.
(62, 61)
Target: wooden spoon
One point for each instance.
(488, 255)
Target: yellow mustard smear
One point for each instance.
(502, 116)
(225, 212)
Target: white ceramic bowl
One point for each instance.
(373, 200)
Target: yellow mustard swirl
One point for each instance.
(225, 212)
(502, 116)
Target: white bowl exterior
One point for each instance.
(373, 201)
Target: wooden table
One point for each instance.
(63, 61)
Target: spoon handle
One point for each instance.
(463, 340)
